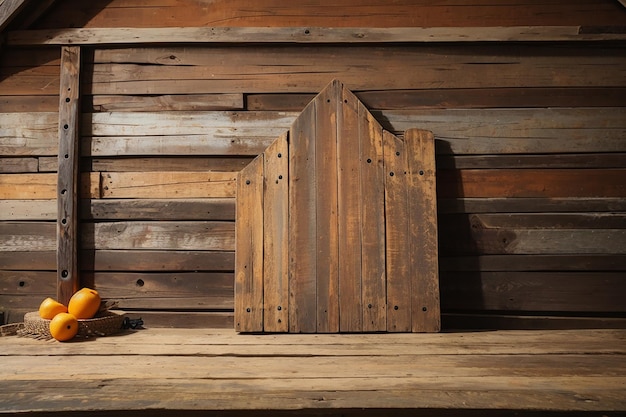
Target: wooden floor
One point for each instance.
(189, 371)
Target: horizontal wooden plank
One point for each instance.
(482, 221)
(153, 125)
(168, 184)
(29, 133)
(216, 140)
(27, 236)
(159, 209)
(441, 382)
(35, 284)
(455, 98)
(552, 189)
(530, 205)
(171, 290)
(123, 260)
(30, 57)
(135, 235)
(176, 163)
(20, 104)
(29, 260)
(541, 183)
(478, 321)
(347, 13)
(586, 160)
(125, 36)
(458, 131)
(18, 165)
(534, 291)
(286, 69)
(30, 81)
(43, 186)
(28, 210)
(156, 260)
(533, 263)
(160, 235)
(190, 102)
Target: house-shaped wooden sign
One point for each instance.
(336, 227)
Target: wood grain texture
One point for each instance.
(423, 233)
(527, 371)
(276, 236)
(68, 278)
(303, 224)
(143, 36)
(396, 231)
(286, 69)
(346, 13)
(327, 105)
(372, 189)
(349, 212)
(249, 254)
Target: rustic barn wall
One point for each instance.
(531, 153)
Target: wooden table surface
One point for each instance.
(158, 370)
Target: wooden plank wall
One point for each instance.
(531, 154)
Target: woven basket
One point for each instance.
(104, 324)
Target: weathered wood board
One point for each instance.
(353, 234)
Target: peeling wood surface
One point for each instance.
(413, 373)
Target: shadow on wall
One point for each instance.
(469, 287)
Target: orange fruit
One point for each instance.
(84, 304)
(63, 327)
(50, 308)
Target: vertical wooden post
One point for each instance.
(68, 279)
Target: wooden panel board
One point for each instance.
(396, 229)
(423, 239)
(327, 232)
(349, 214)
(275, 220)
(303, 224)
(372, 189)
(249, 253)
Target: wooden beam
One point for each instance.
(110, 36)
(67, 182)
